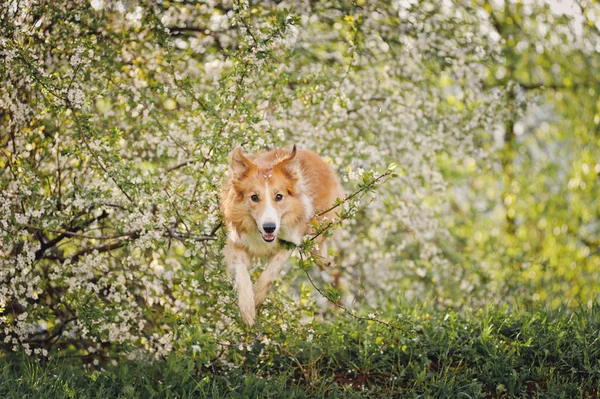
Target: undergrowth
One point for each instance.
(495, 353)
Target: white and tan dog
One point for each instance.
(269, 197)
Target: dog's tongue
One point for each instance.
(269, 237)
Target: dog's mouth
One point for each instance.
(268, 237)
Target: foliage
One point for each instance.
(117, 118)
(490, 353)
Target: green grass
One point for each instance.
(495, 354)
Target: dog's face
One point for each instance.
(266, 195)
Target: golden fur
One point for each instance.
(278, 189)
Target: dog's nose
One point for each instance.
(269, 227)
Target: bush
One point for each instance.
(117, 121)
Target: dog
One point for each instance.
(271, 198)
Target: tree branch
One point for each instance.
(345, 309)
(105, 247)
(65, 233)
(354, 194)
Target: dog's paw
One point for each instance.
(248, 312)
(259, 297)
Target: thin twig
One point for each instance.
(332, 224)
(354, 194)
(79, 235)
(94, 155)
(105, 247)
(345, 309)
(179, 165)
(183, 237)
(290, 354)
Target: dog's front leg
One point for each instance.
(238, 263)
(268, 275)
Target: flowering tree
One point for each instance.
(117, 121)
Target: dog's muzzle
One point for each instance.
(269, 229)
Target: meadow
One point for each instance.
(492, 353)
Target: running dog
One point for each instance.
(268, 198)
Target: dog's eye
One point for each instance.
(254, 197)
(278, 197)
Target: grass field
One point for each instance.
(495, 354)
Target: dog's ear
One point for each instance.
(290, 163)
(240, 165)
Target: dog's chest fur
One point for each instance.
(259, 248)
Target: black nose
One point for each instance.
(269, 227)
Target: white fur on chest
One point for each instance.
(259, 248)
(254, 243)
(291, 235)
